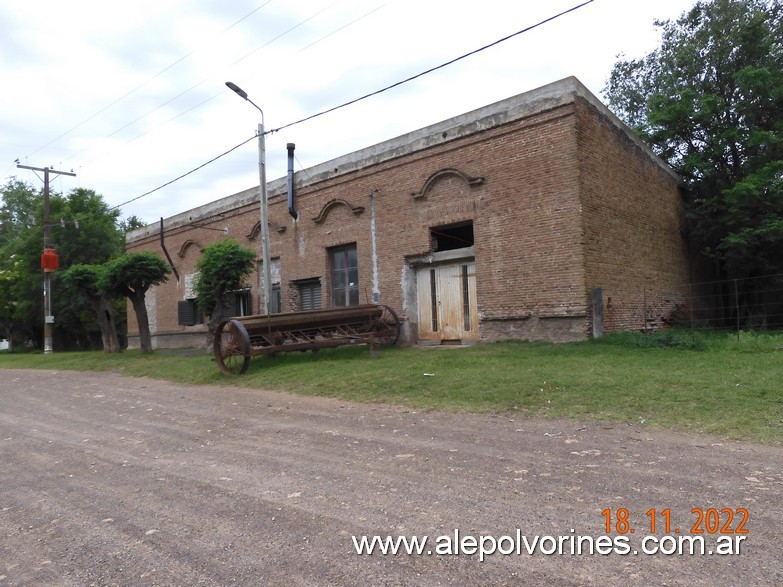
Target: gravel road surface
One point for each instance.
(112, 480)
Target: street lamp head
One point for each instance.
(242, 93)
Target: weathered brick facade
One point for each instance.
(550, 194)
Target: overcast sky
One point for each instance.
(131, 95)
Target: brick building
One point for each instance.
(538, 217)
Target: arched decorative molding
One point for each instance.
(257, 228)
(333, 204)
(438, 175)
(185, 246)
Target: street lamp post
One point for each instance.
(264, 206)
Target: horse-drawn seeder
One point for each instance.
(238, 339)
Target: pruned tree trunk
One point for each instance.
(140, 308)
(215, 318)
(105, 312)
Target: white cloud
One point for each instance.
(132, 95)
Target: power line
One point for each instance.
(345, 26)
(204, 101)
(194, 86)
(191, 88)
(141, 85)
(168, 183)
(371, 94)
(284, 33)
(363, 16)
(432, 69)
(173, 118)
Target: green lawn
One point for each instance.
(726, 386)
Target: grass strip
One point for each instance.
(720, 384)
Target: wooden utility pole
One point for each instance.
(48, 317)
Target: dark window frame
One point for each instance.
(344, 275)
(189, 313)
(237, 303)
(450, 237)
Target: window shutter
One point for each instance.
(310, 295)
(229, 309)
(186, 313)
(306, 294)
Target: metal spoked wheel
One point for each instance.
(232, 348)
(387, 326)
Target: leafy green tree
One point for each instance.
(19, 210)
(223, 267)
(709, 101)
(131, 223)
(10, 272)
(131, 275)
(85, 280)
(21, 239)
(83, 230)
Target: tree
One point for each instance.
(86, 280)
(709, 101)
(130, 223)
(21, 237)
(10, 272)
(131, 275)
(84, 230)
(222, 268)
(90, 231)
(18, 210)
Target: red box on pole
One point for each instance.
(49, 260)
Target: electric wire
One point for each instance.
(141, 85)
(196, 85)
(168, 183)
(284, 33)
(172, 119)
(353, 101)
(366, 96)
(207, 99)
(345, 26)
(18, 247)
(432, 69)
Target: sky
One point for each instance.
(130, 96)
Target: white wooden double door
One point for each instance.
(446, 295)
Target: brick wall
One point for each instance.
(633, 247)
(561, 201)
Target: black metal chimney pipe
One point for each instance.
(294, 214)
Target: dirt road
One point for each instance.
(109, 480)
